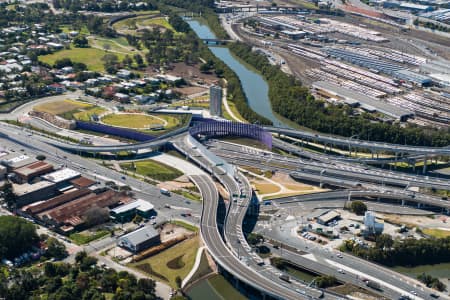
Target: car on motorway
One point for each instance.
(285, 277)
(341, 271)
(300, 291)
(433, 295)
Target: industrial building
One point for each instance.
(13, 160)
(71, 213)
(62, 175)
(29, 172)
(127, 211)
(355, 99)
(413, 77)
(140, 239)
(215, 100)
(28, 193)
(328, 217)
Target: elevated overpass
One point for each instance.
(360, 144)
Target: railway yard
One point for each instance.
(391, 74)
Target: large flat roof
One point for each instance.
(61, 175)
(364, 101)
(141, 235)
(33, 168)
(139, 204)
(23, 189)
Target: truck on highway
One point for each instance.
(164, 191)
(374, 285)
(285, 277)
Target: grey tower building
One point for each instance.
(215, 100)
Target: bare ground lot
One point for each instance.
(188, 72)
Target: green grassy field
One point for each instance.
(437, 233)
(85, 115)
(161, 21)
(91, 57)
(152, 169)
(224, 288)
(175, 261)
(60, 107)
(185, 225)
(85, 238)
(135, 121)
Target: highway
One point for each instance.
(17, 137)
(299, 151)
(359, 144)
(236, 244)
(224, 257)
(392, 282)
(342, 170)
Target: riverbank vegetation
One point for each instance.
(293, 101)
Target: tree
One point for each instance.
(80, 256)
(9, 195)
(384, 241)
(127, 61)
(95, 216)
(110, 62)
(63, 62)
(178, 281)
(40, 157)
(56, 249)
(358, 207)
(81, 41)
(16, 236)
(325, 281)
(139, 60)
(254, 239)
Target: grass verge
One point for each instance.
(152, 169)
(171, 263)
(82, 238)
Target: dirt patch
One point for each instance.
(171, 231)
(188, 72)
(438, 221)
(190, 90)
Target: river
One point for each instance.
(253, 84)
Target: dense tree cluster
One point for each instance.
(358, 207)
(325, 281)
(431, 282)
(407, 252)
(293, 101)
(431, 25)
(81, 281)
(16, 236)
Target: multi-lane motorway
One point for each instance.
(359, 144)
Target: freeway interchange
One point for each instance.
(230, 248)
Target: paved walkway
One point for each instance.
(228, 109)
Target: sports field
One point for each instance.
(60, 107)
(91, 57)
(134, 121)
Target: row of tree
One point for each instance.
(294, 102)
(407, 252)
